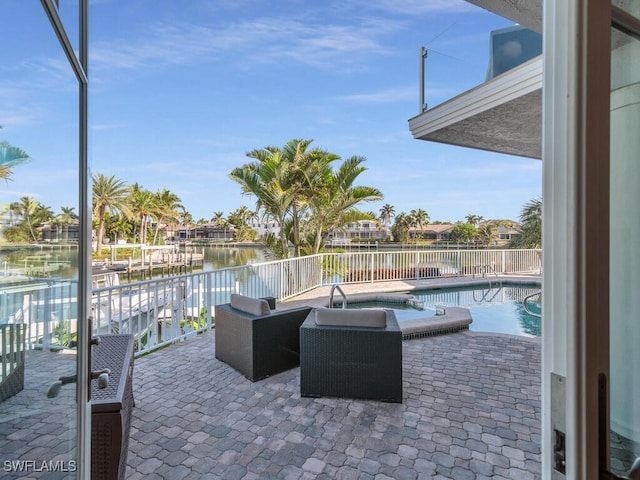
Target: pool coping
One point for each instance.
(424, 327)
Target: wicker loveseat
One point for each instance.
(255, 340)
(353, 353)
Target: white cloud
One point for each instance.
(419, 7)
(262, 40)
(392, 95)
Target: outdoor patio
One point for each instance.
(471, 409)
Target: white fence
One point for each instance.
(162, 311)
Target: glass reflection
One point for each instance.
(38, 244)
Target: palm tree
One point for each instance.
(186, 218)
(419, 218)
(109, 195)
(142, 206)
(168, 207)
(487, 233)
(333, 200)
(387, 212)
(118, 226)
(10, 156)
(218, 218)
(531, 226)
(27, 208)
(474, 219)
(268, 179)
(306, 169)
(65, 218)
(401, 226)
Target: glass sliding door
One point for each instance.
(43, 304)
(624, 320)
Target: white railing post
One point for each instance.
(503, 255)
(371, 261)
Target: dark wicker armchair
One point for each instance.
(351, 353)
(256, 341)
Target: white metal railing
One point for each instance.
(48, 308)
(162, 311)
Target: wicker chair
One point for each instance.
(357, 357)
(256, 341)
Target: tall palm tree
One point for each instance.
(473, 219)
(401, 226)
(531, 226)
(333, 201)
(218, 218)
(419, 219)
(142, 206)
(387, 212)
(27, 208)
(168, 208)
(65, 218)
(186, 218)
(268, 179)
(42, 215)
(306, 168)
(487, 233)
(118, 226)
(108, 195)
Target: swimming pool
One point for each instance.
(494, 308)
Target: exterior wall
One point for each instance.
(206, 233)
(362, 230)
(264, 228)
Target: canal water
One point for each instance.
(61, 262)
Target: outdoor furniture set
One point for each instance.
(341, 353)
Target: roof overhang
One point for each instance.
(527, 13)
(502, 115)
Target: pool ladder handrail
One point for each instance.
(524, 304)
(487, 292)
(484, 269)
(335, 287)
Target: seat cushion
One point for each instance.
(254, 306)
(361, 317)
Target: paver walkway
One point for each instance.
(471, 410)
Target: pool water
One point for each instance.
(496, 308)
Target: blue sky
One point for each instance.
(180, 90)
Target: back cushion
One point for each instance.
(360, 317)
(254, 306)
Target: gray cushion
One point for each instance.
(254, 306)
(360, 317)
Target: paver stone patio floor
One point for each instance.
(471, 410)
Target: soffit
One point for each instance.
(527, 13)
(503, 115)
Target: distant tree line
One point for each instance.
(473, 230)
(295, 186)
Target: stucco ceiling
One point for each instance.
(513, 127)
(527, 13)
(501, 115)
